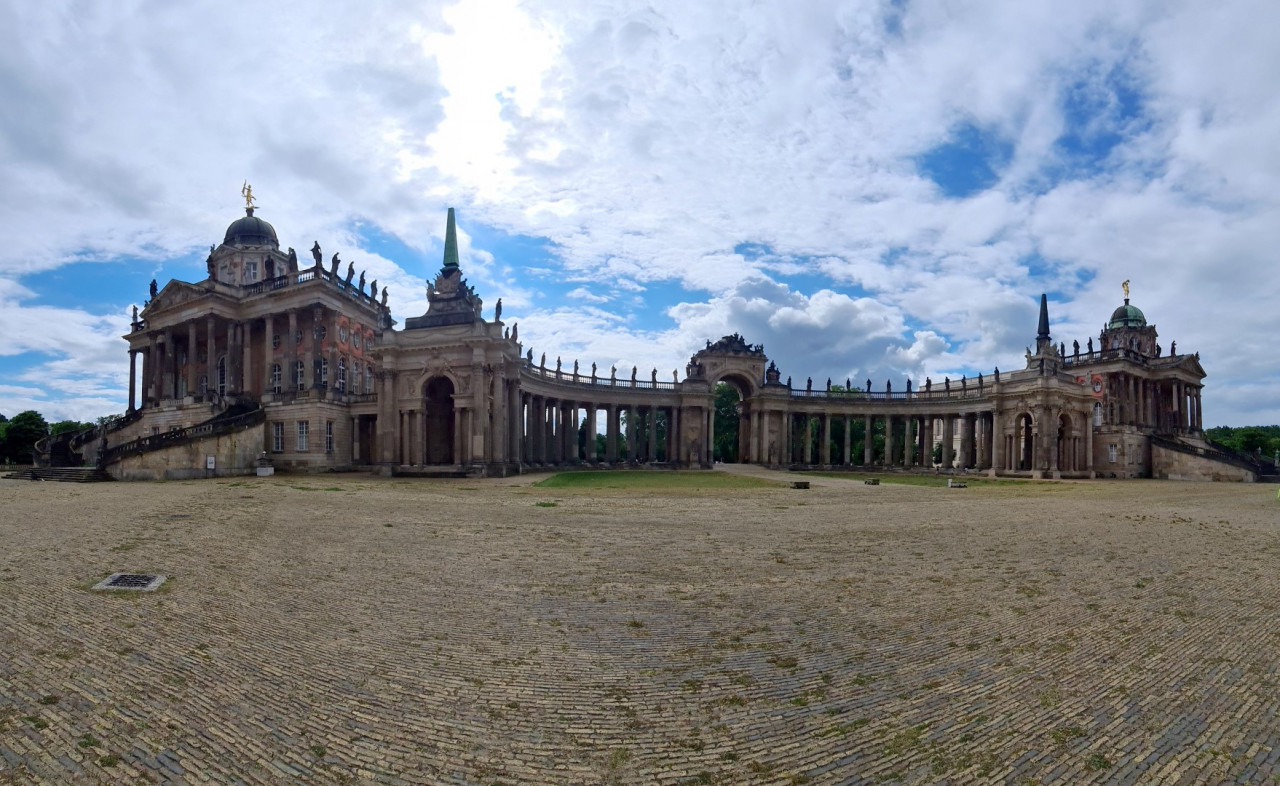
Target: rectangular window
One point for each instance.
(303, 442)
(250, 271)
(299, 374)
(275, 377)
(277, 437)
(1111, 453)
(328, 436)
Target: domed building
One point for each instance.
(267, 364)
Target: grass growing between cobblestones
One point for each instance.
(654, 481)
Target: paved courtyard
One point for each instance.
(342, 629)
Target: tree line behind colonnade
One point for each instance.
(19, 435)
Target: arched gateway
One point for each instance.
(453, 388)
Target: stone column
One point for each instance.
(246, 354)
(290, 378)
(673, 434)
(825, 451)
(710, 431)
(268, 355)
(170, 361)
(313, 353)
(848, 441)
(966, 440)
(808, 439)
(386, 425)
(499, 414)
(228, 361)
(788, 425)
(591, 433)
(133, 377)
(948, 441)
(193, 353)
(755, 449)
(653, 434)
(890, 447)
(210, 354)
(151, 388)
(907, 441)
(867, 446)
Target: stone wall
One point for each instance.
(1171, 464)
(234, 454)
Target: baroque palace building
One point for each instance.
(303, 368)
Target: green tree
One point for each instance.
(20, 436)
(64, 426)
(726, 422)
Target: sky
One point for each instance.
(872, 190)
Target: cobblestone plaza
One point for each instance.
(349, 629)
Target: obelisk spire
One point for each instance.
(1042, 331)
(450, 245)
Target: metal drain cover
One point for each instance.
(138, 582)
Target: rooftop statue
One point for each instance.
(351, 271)
(293, 260)
(315, 253)
(333, 266)
(362, 281)
(384, 297)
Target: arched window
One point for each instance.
(342, 375)
(222, 375)
(1097, 414)
(275, 377)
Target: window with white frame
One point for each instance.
(222, 375)
(299, 375)
(324, 373)
(355, 378)
(275, 377)
(277, 437)
(368, 378)
(251, 271)
(342, 375)
(303, 437)
(328, 436)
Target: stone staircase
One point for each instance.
(62, 474)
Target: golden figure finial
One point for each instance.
(246, 191)
(1125, 287)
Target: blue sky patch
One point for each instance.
(967, 163)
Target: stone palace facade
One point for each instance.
(303, 368)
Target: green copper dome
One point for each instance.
(1127, 316)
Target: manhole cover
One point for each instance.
(139, 582)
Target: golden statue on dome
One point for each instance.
(1125, 287)
(246, 191)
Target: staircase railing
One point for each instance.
(216, 426)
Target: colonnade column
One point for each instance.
(848, 441)
(907, 442)
(673, 435)
(246, 357)
(890, 447)
(948, 441)
(133, 376)
(611, 433)
(267, 350)
(927, 454)
(867, 444)
(193, 345)
(290, 370)
(210, 356)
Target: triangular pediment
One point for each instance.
(175, 293)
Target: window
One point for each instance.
(222, 375)
(302, 435)
(328, 436)
(275, 341)
(1097, 414)
(324, 372)
(297, 336)
(204, 384)
(299, 375)
(275, 377)
(251, 271)
(355, 378)
(1111, 453)
(355, 339)
(321, 332)
(368, 377)
(342, 334)
(277, 437)
(342, 375)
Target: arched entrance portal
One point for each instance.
(438, 406)
(732, 436)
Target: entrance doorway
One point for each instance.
(438, 406)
